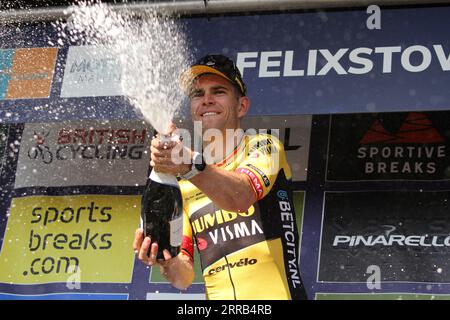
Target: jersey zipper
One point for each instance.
(231, 279)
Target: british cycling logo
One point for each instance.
(89, 144)
(40, 150)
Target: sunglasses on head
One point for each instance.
(225, 66)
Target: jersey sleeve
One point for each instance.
(187, 244)
(264, 155)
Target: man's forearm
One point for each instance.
(227, 189)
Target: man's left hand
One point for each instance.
(170, 157)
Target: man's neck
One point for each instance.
(222, 147)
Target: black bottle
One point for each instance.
(162, 212)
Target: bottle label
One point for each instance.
(176, 231)
(164, 178)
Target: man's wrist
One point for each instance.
(198, 165)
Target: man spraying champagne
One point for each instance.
(237, 200)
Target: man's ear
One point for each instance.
(244, 106)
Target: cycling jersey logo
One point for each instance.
(241, 263)
(282, 194)
(261, 173)
(202, 244)
(225, 226)
(232, 231)
(208, 220)
(287, 216)
(255, 181)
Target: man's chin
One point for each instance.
(210, 124)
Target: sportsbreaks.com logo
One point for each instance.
(92, 143)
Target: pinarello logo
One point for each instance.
(416, 128)
(201, 244)
(26, 73)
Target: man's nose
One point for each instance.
(208, 98)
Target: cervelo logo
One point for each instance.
(414, 148)
(390, 239)
(241, 263)
(26, 73)
(89, 144)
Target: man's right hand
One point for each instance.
(178, 270)
(145, 250)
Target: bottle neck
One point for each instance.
(165, 178)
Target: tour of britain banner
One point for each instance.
(293, 63)
(363, 114)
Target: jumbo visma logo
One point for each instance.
(26, 73)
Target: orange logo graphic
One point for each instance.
(26, 73)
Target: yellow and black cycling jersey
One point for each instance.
(252, 254)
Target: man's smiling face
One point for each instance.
(216, 103)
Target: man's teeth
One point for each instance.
(209, 114)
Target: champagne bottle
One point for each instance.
(162, 211)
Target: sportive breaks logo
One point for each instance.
(397, 146)
(26, 73)
(417, 128)
(414, 148)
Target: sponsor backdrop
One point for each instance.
(362, 115)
